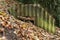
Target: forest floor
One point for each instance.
(14, 29)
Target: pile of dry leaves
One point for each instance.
(14, 29)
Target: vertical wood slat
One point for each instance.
(44, 21)
(22, 14)
(33, 14)
(39, 15)
(53, 26)
(25, 10)
(40, 9)
(30, 12)
(20, 9)
(36, 16)
(49, 28)
(28, 9)
(37, 19)
(16, 11)
(42, 18)
(46, 27)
